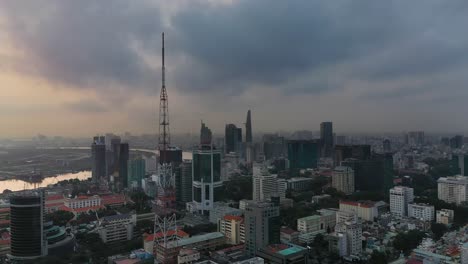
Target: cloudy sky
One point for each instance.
(83, 67)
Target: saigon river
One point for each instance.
(19, 185)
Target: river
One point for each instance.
(19, 185)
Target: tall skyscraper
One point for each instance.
(28, 240)
(274, 146)
(98, 159)
(400, 197)
(248, 128)
(206, 136)
(184, 184)
(343, 179)
(415, 138)
(461, 164)
(206, 175)
(326, 138)
(233, 138)
(123, 164)
(262, 225)
(115, 148)
(207, 184)
(343, 152)
(386, 146)
(136, 173)
(374, 174)
(303, 154)
(456, 142)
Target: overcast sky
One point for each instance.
(77, 68)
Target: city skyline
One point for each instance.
(71, 64)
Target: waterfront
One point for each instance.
(19, 185)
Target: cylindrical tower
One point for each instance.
(27, 238)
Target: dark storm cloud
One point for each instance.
(277, 43)
(269, 42)
(85, 43)
(299, 46)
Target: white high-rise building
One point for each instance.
(400, 197)
(423, 212)
(353, 232)
(343, 179)
(266, 185)
(453, 189)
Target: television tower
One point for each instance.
(165, 228)
(164, 133)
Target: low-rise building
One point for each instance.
(299, 183)
(148, 239)
(187, 256)
(116, 227)
(288, 235)
(167, 253)
(83, 201)
(445, 216)
(423, 212)
(282, 253)
(366, 210)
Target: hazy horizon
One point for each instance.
(80, 68)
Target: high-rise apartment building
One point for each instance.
(303, 154)
(453, 189)
(353, 232)
(343, 179)
(400, 197)
(262, 225)
(266, 185)
(28, 240)
(326, 138)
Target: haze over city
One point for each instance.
(77, 68)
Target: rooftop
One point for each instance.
(195, 239)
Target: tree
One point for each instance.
(408, 241)
(438, 230)
(140, 200)
(60, 218)
(145, 226)
(378, 257)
